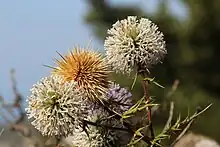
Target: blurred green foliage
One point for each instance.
(193, 56)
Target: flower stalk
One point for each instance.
(148, 100)
(145, 84)
(105, 126)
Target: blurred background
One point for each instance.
(32, 31)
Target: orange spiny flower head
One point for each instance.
(87, 68)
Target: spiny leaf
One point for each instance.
(140, 105)
(134, 81)
(147, 105)
(179, 125)
(158, 84)
(133, 109)
(200, 112)
(149, 79)
(137, 133)
(134, 142)
(153, 81)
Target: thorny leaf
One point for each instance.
(134, 81)
(151, 80)
(178, 126)
(140, 105)
(133, 109)
(137, 133)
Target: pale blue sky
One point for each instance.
(32, 31)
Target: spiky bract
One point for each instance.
(87, 68)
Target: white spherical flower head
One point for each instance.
(94, 136)
(55, 107)
(134, 44)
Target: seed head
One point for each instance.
(87, 68)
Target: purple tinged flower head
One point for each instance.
(119, 98)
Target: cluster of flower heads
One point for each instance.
(60, 104)
(134, 44)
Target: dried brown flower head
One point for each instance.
(87, 68)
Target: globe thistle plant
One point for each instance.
(87, 68)
(56, 107)
(119, 98)
(134, 43)
(79, 102)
